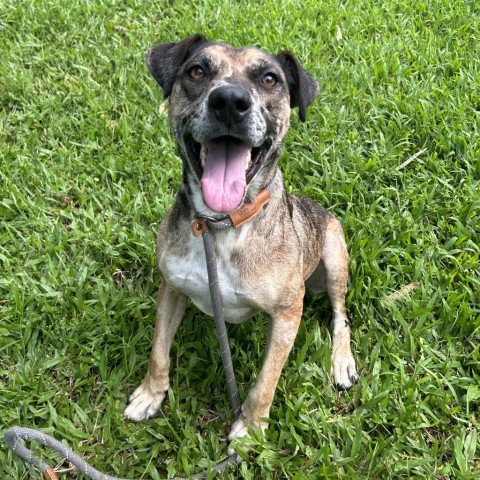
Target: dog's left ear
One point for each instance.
(303, 87)
(165, 60)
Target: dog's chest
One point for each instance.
(188, 274)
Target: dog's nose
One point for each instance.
(229, 104)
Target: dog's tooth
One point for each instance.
(203, 155)
(248, 158)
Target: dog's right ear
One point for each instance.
(165, 60)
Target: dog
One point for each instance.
(229, 110)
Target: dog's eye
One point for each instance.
(196, 73)
(269, 80)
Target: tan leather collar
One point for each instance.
(238, 217)
(245, 213)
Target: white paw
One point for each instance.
(143, 404)
(344, 371)
(240, 430)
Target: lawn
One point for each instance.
(88, 170)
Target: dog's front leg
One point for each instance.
(335, 259)
(146, 400)
(283, 330)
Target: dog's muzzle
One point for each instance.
(231, 149)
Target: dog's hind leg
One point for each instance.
(146, 400)
(281, 336)
(334, 266)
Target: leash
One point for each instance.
(14, 435)
(200, 226)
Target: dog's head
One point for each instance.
(229, 110)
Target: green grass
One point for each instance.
(88, 170)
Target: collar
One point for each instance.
(236, 219)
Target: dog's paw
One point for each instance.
(344, 371)
(240, 430)
(143, 404)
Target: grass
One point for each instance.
(88, 170)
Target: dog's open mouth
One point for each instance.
(225, 166)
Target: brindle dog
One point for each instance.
(229, 111)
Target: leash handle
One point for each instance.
(12, 438)
(14, 435)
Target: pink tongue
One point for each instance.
(224, 177)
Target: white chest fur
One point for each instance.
(189, 275)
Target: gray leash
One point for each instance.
(221, 328)
(14, 435)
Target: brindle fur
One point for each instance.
(266, 264)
